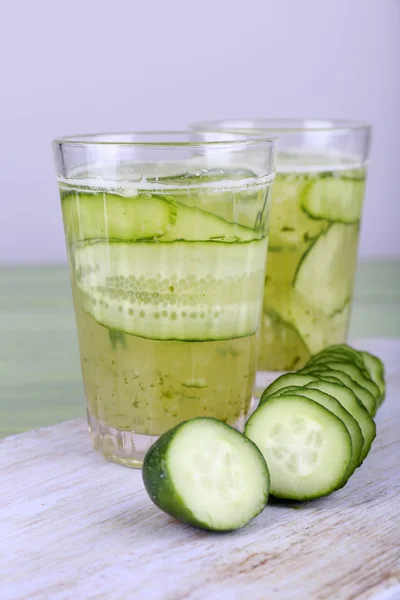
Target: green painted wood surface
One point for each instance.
(40, 380)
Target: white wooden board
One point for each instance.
(73, 526)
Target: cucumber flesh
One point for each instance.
(145, 216)
(110, 216)
(207, 474)
(350, 402)
(365, 397)
(181, 290)
(325, 275)
(290, 227)
(194, 224)
(316, 328)
(337, 199)
(307, 448)
(331, 404)
(376, 371)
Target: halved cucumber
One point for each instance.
(359, 375)
(207, 474)
(331, 403)
(334, 198)
(322, 371)
(349, 401)
(110, 216)
(180, 290)
(376, 371)
(307, 448)
(325, 275)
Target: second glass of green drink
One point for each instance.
(316, 207)
(167, 238)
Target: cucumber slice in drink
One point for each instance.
(332, 404)
(376, 371)
(322, 371)
(325, 275)
(145, 216)
(289, 351)
(290, 227)
(109, 216)
(207, 474)
(307, 448)
(350, 402)
(179, 291)
(334, 198)
(316, 329)
(193, 224)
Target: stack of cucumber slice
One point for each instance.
(316, 426)
(312, 429)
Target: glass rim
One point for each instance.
(282, 125)
(92, 139)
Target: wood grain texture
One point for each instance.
(73, 526)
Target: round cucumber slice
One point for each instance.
(376, 371)
(334, 198)
(350, 402)
(320, 359)
(330, 403)
(307, 448)
(322, 371)
(341, 353)
(207, 474)
(290, 226)
(182, 290)
(288, 379)
(360, 376)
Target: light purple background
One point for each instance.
(87, 65)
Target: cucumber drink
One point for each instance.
(167, 262)
(315, 218)
(312, 256)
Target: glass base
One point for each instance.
(126, 447)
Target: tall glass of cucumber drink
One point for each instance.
(316, 207)
(167, 238)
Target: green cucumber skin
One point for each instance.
(337, 356)
(376, 369)
(159, 484)
(321, 371)
(372, 387)
(371, 426)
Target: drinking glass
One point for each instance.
(167, 240)
(316, 208)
